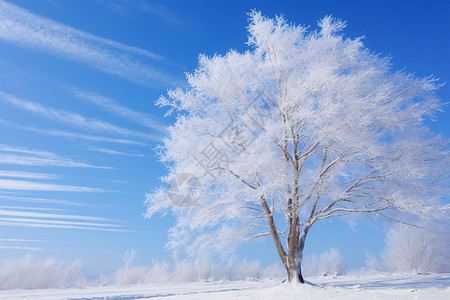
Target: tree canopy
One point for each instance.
(302, 127)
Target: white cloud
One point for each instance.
(14, 159)
(114, 152)
(27, 214)
(41, 200)
(37, 186)
(62, 226)
(32, 208)
(6, 148)
(124, 7)
(34, 241)
(15, 193)
(29, 175)
(161, 12)
(17, 244)
(119, 181)
(71, 118)
(14, 75)
(21, 248)
(112, 106)
(27, 220)
(21, 218)
(25, 29)
(37, 158)
(81, 136)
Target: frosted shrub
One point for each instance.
(31, 273)
(327, 263)
(203, 268)
(416, 250)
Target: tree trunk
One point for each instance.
(295, 258)
(295, 274)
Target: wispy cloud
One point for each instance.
(40, 161)
(34, 241)
(21, 248)
(112, 106)
(123, 7)
(114, 152)
(161, 12)
(29, 175)
(47, 220)
(119, 181)
(24, 244)
(17, 213)
(60, 226)
(32, 208)
(14, 75)
(71, 118)
(20, 185)
(81, 136)
(117, 6)
(58, 222)
(42, 200)
(15, 193)
(78, 136)
(25, 29)
(7, 148)
(35, 158)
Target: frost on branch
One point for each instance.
(304, 126)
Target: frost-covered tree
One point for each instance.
(415, 249)
(303, 127)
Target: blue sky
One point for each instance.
(78, 125)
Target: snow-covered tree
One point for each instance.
(302, 127)
(415, 249)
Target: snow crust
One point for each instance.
(375, 286)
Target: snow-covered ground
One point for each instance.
(380, 286)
